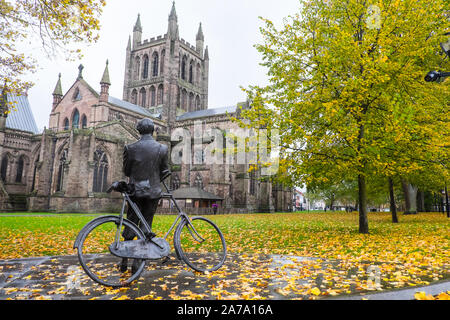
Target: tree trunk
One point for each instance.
(331, 203)
(447, 204)
(420, 201)
(440, 202)
(392, 201)
(435, 203)
(362, 199)
(410, 193)
(362, 189)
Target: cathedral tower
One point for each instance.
(166, 74)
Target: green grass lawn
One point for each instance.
(410, 253)
(328, 235)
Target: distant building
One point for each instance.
(300, 202)
(68, 167)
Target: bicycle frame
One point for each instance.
(181, 215)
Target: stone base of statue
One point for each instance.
(153, 249)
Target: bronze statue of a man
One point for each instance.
(145, 162)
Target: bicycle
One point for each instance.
(197, 241)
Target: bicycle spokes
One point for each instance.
(197, 237)
(200, 244)
(97, 259)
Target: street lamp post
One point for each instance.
(436, 76)
(439, 76)
(447, 204)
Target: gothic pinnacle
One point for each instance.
(200, 35)
(138, 25)
(105, 78)
(58, 88)
(173, 12)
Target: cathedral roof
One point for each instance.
(131, 107)
(122, 104)
(206, 113)
(21, 117)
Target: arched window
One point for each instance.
(197, 103)
(191, 72)
(199, 156)
(145, 69)
(66, 124)
(100, 171)
(19, 172)
(4, 167)
(198, 183)
(178, 97)
(183, 68)
(137, 68)
(152, 96)
(252, 187)
(231, 186)
(175, 182)
(76, 119)
(33, 184)
(77, 95)
(155, 64)
(143, 98)
(60, 176)
(183, 99)
(84, 122)
(172, 47)
(191, 102)
(163, 56)
(134, 96)
(197, 74)
(160, 94)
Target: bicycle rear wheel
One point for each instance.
(203, 249)
(95, 257)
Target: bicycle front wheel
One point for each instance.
(96, 259)
(200, 244)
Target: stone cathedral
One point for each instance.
(68, 166)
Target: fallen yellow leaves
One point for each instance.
(340, 261)
(315, 291)
(423, 296)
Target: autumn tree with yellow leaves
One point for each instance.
(347, 92)
(54, 23)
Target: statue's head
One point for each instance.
(145, 126)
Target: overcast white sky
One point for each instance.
(231, 28)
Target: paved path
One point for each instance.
(242, 277)
(402, 294)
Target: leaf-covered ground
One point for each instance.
(411, 253)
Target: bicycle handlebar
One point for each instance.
(122, 186)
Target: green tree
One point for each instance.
(55, 23)
(347, 90)
(339, 192)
